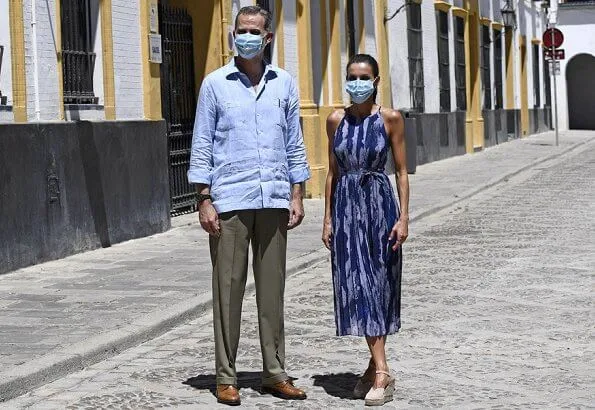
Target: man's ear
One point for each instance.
(376, 81)
(269, 38)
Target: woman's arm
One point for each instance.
(396, 134)
(332, 122)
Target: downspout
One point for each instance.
(35, 59)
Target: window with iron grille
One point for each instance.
(460, 69)
(443, 60)
(416, 61)
(78, 58)
(546, 82)
(265, 4)
(536, 85)
(498, 70)
(486, 81)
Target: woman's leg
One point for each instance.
(370, 372)
(376, 345)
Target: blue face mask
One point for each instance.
(248, 45)
(359, 90)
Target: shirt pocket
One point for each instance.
(273, 123)
(275, 111)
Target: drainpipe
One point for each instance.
(35, 59)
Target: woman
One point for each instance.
(363, 225)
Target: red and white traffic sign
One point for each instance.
(552, 37)
(559, 54)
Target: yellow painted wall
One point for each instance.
(151, 71)
(509, 50)
(17, 48)
(474, 121)
(208, 34)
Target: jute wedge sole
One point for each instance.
(377, 397)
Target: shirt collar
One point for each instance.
(233, 68)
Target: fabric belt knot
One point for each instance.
(366, 175)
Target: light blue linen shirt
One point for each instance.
(247, 143)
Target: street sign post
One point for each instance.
(554, 67)
(553, 39)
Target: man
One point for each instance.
(249, 163)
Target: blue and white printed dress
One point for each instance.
(366, 271)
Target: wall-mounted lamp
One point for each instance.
(508, 15)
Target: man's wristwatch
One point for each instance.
(202, 197)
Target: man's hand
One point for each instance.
(296, 212)
(209, 219)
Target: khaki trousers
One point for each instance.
(266, 229)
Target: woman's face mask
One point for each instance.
(359, 90)
(249, 45)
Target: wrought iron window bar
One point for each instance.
(78, 57)
(443, 60)
(536, 84)
(460, 64)
(498, 84)
(486, 80)
(415, 51)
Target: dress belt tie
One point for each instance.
(366, 175)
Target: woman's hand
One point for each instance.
(327, 232)
(399, 232)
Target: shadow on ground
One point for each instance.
(246, 380)
(337, 384)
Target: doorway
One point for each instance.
(580, 83)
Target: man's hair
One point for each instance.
(253, 10)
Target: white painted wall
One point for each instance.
(98, 49)
(316, 41)
(578, 26)
(6, 73)
(290, 38)
(397, 46)
(128, 71)
(45, 68)
(344, 52)
(430, 53)
(370, 28)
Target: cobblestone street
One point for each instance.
(497, 313)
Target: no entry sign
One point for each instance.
(552, 37)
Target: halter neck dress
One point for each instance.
(366, 271)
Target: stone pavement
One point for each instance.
(497, 313)
(61, 316)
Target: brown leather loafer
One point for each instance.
(228, 394)
(285, 390)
